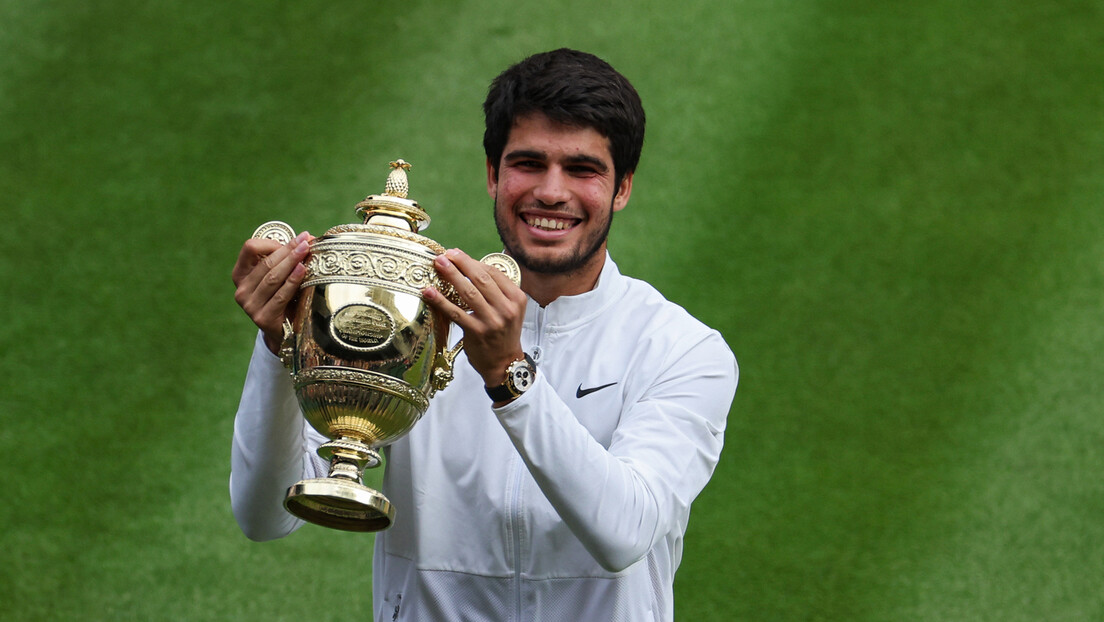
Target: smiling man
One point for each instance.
(552, 480)
(552, 190)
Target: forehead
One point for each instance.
(538, 133)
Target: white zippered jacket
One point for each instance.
(569, 503)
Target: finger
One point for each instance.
(508, 287)
(447, 308)
(275, 268)
(278, 307)
(257, 250)
(468, 294)
(271, 275)
(474, 281)
(491, 280)
(252, 267)
(268, 268)
(252, 252)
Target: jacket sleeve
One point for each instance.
(621, 501)
(273, 447)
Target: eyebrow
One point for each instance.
(532, 154)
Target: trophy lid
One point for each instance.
(392, 207)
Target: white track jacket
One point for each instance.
(570, 503)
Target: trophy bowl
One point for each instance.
(364, 350)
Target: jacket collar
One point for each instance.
(566, 312)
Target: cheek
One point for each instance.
(509, 191)
(598, 200)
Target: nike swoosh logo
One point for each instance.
(581, 392)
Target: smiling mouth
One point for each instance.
(548, 224)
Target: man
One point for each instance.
(565, 498)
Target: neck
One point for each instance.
(545, 288)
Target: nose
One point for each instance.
(552, 188)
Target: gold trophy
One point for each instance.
(364, 350)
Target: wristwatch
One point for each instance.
(520, 376)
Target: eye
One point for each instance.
(527, 164)
(582, 171)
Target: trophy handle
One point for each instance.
(442, 370)
(287, 346)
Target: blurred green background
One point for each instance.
(891, 210)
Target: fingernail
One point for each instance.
(302, 248)
(453, 252)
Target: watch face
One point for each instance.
(521, 376)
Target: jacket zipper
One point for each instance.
(515, 518)
(515, 511)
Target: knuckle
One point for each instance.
(454, 314)
(485, 279)
(272, 279)
(284, 295)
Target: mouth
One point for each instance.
(545, 223)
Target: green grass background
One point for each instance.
(891, 210)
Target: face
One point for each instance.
(555, 195)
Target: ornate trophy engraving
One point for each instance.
(365, 351)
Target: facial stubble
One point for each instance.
(562, 265)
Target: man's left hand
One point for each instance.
(492, 331)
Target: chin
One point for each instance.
(564, 262)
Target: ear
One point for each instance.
(492, 180)
(621, 199)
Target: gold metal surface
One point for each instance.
(364, 350)
(275, 230)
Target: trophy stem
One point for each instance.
(344, 470)
(341, 501)
(348, 457)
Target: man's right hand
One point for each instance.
(267, 277)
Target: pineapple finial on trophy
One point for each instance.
(393, 207)
(397, 184)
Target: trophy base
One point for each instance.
(340, 504)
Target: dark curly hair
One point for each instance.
(569, 87)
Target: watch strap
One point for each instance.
(501, 393)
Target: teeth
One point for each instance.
(547, 223)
